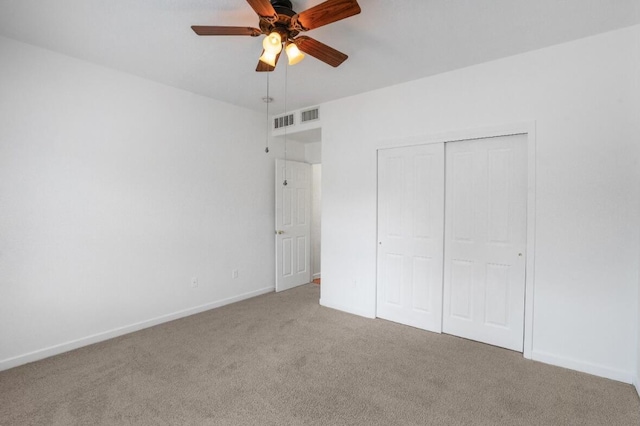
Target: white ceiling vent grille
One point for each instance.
(284, 121)
(309, 115)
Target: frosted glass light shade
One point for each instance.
(269, 58)
(294, 54)
(272, 43)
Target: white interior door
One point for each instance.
(410, 233)
(485, 240)
(293, 224)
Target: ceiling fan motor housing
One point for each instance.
(283, 6)
(283, 24)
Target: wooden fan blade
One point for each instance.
(320, 51)
(263, 67)
(324, 13)
(263, 8)
(226, 31)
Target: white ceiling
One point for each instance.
(390, 42)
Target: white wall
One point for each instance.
(114, 192)
(581, 97)
(637, 98)
(637, 376)
(295, 150)
(313, 152)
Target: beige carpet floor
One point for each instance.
(281, 359)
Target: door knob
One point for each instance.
(279, 232)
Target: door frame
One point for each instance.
(527, 128)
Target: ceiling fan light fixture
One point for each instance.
(281, 26)
(293, 53)
(269, 58)
(272, 43)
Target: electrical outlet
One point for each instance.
(234, 274)
(194, 282)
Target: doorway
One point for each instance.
(293, 224)
(298, 223)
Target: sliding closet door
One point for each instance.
(410, 233)
(485, 240)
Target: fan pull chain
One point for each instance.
(268, 101)
(286, 74)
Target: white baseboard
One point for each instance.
(316, 276)
(585, 367)
(110, 334)
(349, 310)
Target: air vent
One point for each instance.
(284, 121)
(310, 115)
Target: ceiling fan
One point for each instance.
(282, 25)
